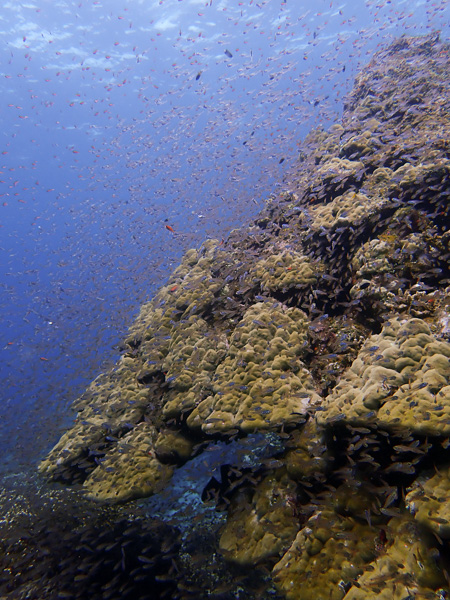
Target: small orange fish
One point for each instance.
(170, 228)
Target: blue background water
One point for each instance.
(119, 118)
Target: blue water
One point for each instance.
(119, 118)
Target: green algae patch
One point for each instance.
(262, 382)
(400, 377)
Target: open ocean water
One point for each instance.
(132, 131)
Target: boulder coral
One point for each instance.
(285, 270)
(260, 527)
(262, 382)
(329, 551)
(401, 376)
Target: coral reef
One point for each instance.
(280, 272)
(400, 377)
(130, 469)
(261, 522)
(261, 383)
(404, 567)
(329, 551)
(323, 328)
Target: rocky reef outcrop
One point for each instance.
(323, 327)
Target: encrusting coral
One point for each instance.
(130, 470)
(105, 448)
(331, 548)
(405, 566)
(261, 523)
(282, 271)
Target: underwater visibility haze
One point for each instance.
(155, 157)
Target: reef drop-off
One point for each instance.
(321, 332)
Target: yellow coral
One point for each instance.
(405, 567)
(280, 272)
(400, 377)
(262, 527)
(131, 469)
(262, 382)
(326, 554)
(427, 499)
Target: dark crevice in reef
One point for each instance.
(151, 378)
(76, 470)
(369, 453)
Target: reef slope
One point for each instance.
(324, 325)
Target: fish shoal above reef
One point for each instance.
(325, 323)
